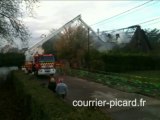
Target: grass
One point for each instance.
(128, 82)
(155, 75)
(151, 77)
(10, 106)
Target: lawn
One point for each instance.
(149, 74)
(144, 76)
(10, 106)
(142, 82)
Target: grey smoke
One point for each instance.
(4, 71)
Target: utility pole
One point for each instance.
(139, 40)
(88, 50)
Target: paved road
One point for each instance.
(80, 89)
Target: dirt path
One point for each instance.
(80, 89)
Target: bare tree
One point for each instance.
(10, 25)
(73, 45)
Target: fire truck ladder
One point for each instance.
(32, 50)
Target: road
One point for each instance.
(80, 89)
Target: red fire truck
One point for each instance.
(41, 64)
(44, 64)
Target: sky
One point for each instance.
(49, 15)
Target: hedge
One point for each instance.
(42, 104)
(11, 59)
(121, 62)
(125, 63)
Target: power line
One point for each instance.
(149, 21)
(122, 12)
(134, 25)
(152, 23)
(144, 7)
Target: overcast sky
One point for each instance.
(50, 15)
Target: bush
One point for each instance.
(124, 63)
(11, 59)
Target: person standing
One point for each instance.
(52, 84)
(62, 89)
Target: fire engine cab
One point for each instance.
(43, 64)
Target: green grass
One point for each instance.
(125, 81)
(152, 77)
(10, 105)
(148, 74)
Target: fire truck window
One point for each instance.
(47, 59)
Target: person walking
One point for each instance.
(62, 89)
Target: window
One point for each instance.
(46, 59)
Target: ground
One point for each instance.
(80, 89)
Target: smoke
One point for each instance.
(123, 38)
(116, 37)
(4, 71)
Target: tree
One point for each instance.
(73, 45)
(10, 25)
(153, 36)
(48, 47)
(154, 39)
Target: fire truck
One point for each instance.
(40, 64)
(44, 64)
